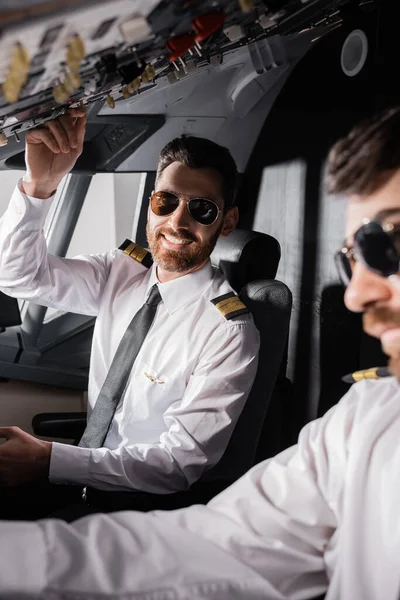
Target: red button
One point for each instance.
(205, 25)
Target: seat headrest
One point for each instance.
(245, 256)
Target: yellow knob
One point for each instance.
(20, 57)
(110, 101)
(246, 5)
(18, 76)
(72, 81)
(151, 72)
(125, 92)
(60, 94)
(73, 61)
(77, 46)
(75, 52)
(130, 87)
(11, 90)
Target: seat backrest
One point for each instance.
(254, 255)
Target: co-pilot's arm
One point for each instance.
(263, 538)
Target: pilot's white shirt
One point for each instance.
(189, 382)
(322, 515)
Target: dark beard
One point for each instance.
(179, 262)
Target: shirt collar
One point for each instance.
(182, 290)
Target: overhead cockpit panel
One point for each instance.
(56, 55)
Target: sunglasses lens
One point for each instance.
(376, 249)
(163, 203)
(343, 267)
(204, 211)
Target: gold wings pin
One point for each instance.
(153, 379)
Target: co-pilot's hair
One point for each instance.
(365, 159)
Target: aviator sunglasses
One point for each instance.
(376, 246)
(202, 210)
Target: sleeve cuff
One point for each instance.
(27, 212)
(69, 464)
(22, 551)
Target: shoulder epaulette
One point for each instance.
(374, 373)
(230, 305)
(137, 252)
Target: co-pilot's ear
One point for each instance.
(231, 218)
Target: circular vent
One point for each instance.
(354, 53)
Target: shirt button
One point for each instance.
(18, 210)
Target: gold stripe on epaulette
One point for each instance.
(137, 252)
(230, 305)
(373, 373)
(366, 374)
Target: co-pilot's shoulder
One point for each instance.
(372, 398)
(380, 387)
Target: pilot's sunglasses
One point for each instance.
(376, 246)
(202, 210)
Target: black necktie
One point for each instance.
(118, 374)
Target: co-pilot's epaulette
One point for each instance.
(230, 305)
(374, 373)
(137, 252)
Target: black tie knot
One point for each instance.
(154, 296)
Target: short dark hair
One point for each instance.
(200, 153)
(365, 159)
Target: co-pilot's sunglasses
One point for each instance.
(202, 210)
(376, 246)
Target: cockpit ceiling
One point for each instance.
(57, 54)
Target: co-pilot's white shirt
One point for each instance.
(189, 382)
(320, 517)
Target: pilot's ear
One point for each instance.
(230, 221)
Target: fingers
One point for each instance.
(80, 129)
(69, 127)
(9, 432)
(43, 135)
(76, 112)
(75, 128)
(62, 134)
(59, 134)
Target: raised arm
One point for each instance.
(27, 271)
